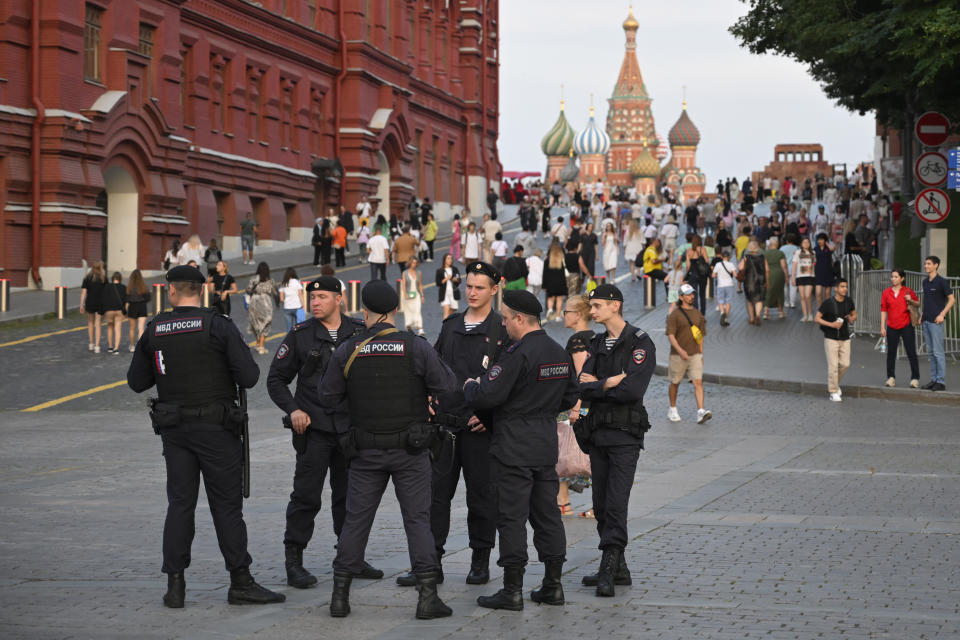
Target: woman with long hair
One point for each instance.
(192, 250)
(611, 251)
(411, 301)
(223, 286)
(455, 238)
(263, 295)
(697, 265)
(472, 245)
(823, 268)
(90, 303)
(448, 284)
(633, 245)
(138, 294)
(776, 277)
(804, 279)
(292, 297)
(112, 302)
(576, 316)
(755, 268)
(555, 280)
(895, 325)
(326, 242)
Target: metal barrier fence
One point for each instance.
(866, 288)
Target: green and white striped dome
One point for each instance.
(559, 140)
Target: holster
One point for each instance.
(163, 415)
(583, 428)
(421, 435)
(348, 445)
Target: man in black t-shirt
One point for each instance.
(835, 316)
(938, 299)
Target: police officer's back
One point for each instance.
(386, 375)
(197, 358)
(304, 354)
(613, 381)
(533, 382)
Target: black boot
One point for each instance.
(511, 596)
(551, 589)
(429, 605)
(243, 590)
(297, 576)
(410, 579)
(368, 572)
(479, 567)
(340, 600)
(621, 577)
(176, 591)
(609, 563)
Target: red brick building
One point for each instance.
(157, 119)
(799, 161)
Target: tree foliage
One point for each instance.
(892, 57)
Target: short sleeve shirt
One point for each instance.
(679, 327)
(935, 294)
(246, 228)
(831, 310)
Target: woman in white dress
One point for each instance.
(633, 245)
(448, 285)
(472, 243)
(611, 252)
(412, 301)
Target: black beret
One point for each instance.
(486, 269)
(606, 292)
(185, 273)
(379, 297)
(325, 283)
(522, 301)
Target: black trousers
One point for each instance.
(612, 469)
(339, 256)
(472, 456)
(894, 336)
(316, 254)
(367, 480)
(189, 452)
(522, 494)
(322, 454)
(430, 247)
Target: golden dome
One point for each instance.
(631, 23)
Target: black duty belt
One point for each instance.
(608, 414)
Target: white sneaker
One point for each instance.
(96, 348)
(703, 415)
(90, 346)
(131, 348)
(891, 382)
(673, 415)
(835, 397)
(914, 384)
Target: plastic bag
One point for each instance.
(572, 461)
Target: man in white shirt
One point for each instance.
(636, 210)
(378, 251)
(668, 237)
(725, 272)
(535, 275)
(363, 208)
(490, 230)
(560, 231)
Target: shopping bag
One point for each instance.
(572, 461)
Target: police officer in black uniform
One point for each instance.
(532, 383)
(197, 357)
(385, 376)
(304, 354)
(613, 381)
(470, 344)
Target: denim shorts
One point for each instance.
(725, 295)
(246, 243)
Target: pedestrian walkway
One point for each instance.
(30, 304)
(787, 355)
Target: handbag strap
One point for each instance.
(360, 346)
(687, 317)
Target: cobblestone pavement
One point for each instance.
(783, 517)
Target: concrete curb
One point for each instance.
(916, 396)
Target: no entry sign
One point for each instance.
(932, 205)
(931, 168)
(932, 129)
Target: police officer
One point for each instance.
(197, 357)
(304, 355)
(613, 381)
(532, 383)
(385, 376)
(470, 344)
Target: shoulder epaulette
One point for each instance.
(452, 316)
(301, 325)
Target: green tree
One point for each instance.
(896, 58)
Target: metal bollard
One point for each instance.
(158, 297)
(4, 295)
(206, 295)
(60, 302)
(399, 289)
(649, 292)
(709, 288)
(354, 298)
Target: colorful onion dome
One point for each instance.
(645, 165)
(570, 172)
(592, 140)
(559, 140)
(684, 133)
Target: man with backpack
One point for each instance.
(686, 328)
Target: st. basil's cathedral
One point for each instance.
(628, 151)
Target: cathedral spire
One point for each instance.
(630, 80)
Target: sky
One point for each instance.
(743, 104)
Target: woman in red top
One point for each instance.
(895, 326)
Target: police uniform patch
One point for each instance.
(383, 348)
(177, 325)
(639, 355)
(556, 371)
(283, 351)
(494, 373)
